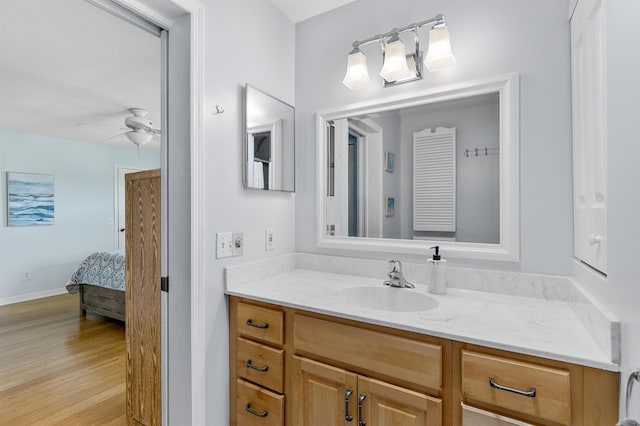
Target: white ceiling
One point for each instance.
(66, 62)
(299, 10)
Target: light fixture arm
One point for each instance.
(438, 20)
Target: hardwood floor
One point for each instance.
(58, 368)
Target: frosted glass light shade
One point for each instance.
(357, 75)
(138, 138)
(439, 55)
(395, 62)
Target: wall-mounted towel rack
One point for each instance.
(481, 152)
(633, 377)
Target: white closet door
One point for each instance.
(434, 180)
(588, 65)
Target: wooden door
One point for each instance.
(322, 395)
(384, 404)
(143, 298)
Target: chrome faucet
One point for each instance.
(396, 279)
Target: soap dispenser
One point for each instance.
(436, 269)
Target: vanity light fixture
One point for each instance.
(398, 66)
(357, 75)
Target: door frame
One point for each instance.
(116, 199)
(195, 9)
(370, 178)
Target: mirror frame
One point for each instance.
(508, 249)
(245, 154)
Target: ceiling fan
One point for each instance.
(139, 129)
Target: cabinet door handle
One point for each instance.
(361, 399)
(255, 413)
(347, 395)
(252, 324)
(531, 393)
(261, 369)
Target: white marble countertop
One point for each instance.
(532, 326)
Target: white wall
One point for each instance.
(83, 201)
(247, 41)
(391, 182)
(489, 38)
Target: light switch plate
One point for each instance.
(224, 244)
(269, 239)
(237, 242)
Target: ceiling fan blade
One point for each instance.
(102, 125)
(113, 137)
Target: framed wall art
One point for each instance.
(29, 199)
(390, 207)
(389, 161)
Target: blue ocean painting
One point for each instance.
(30, 199)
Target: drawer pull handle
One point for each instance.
(252, 324)
(361, 399)
(531, 393)
(261, 369)
(255, 413)
(347, 395)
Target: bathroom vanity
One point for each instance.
(315, 348)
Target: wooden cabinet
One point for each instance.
(257, 406)
(257, 365)
(382, 354)
(472, 416)
(327, 395)
(323, 394)
(589, 121)
(527, 388)
(324, 366)
(143, 298)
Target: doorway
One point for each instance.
(120, 221)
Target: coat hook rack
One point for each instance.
(219, 109)
(481, 152)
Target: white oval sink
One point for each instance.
(387, 298)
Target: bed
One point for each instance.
(101, 284)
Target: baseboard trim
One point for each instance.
(31, 296)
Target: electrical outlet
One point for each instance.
(224, 245)
(237, 244)
(26, 276)
(269, 237)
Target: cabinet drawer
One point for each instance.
(260, 323)
(395, 357)
(260, 364)
(552, 386)
(474, 417)
(258, 406)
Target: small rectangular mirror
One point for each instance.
(269, 142)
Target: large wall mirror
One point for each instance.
(268, 145)
(401, 174)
